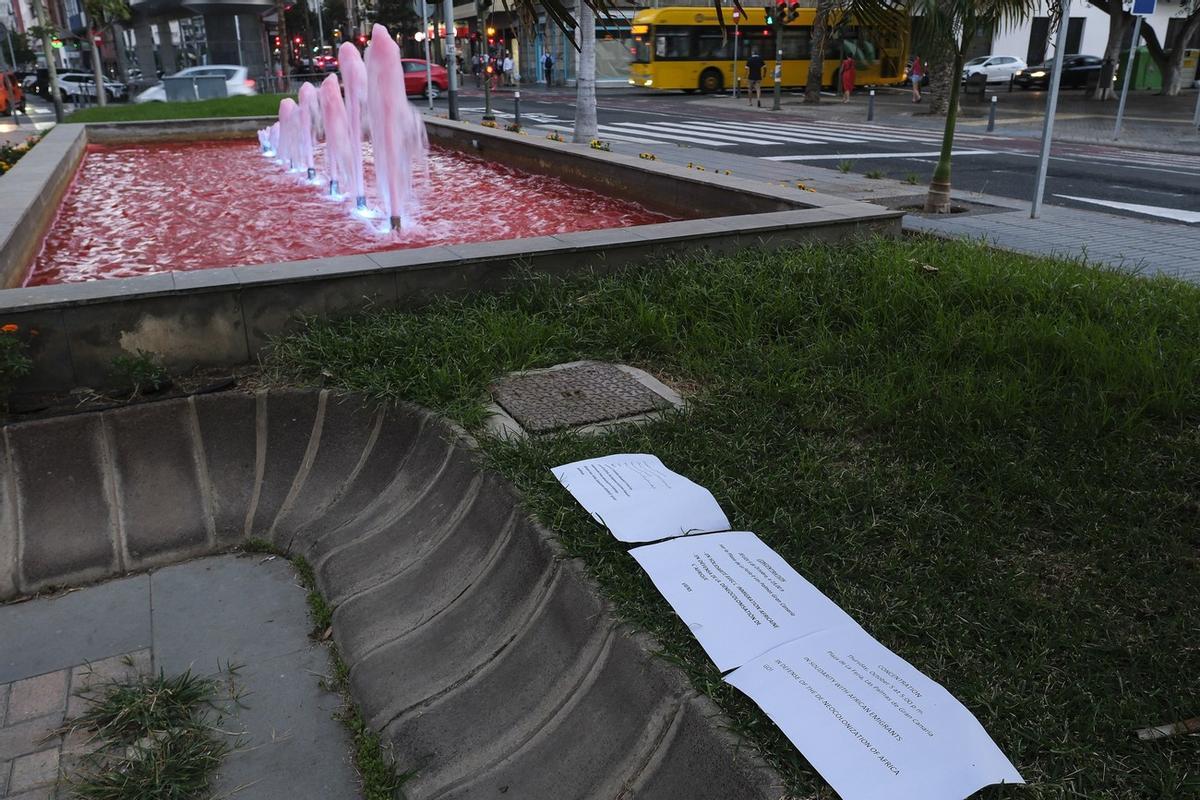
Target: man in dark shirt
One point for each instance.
(754, 71)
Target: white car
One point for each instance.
(78, 85)
(237, 81)
(995, 69)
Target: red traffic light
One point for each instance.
(766, 31)
(277, 41)
(362, 39)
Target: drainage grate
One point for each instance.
(574, 395)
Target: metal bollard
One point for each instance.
(517, 108)
(992, 114)
(871, 106)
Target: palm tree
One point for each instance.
(953, 24)
(585, 81)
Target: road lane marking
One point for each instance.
(832, 156)
(1177, 214)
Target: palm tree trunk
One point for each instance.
(1173, 79)
(43, 19)
(97, 69)
(938, 199)
(816, 65)
(585, 82)
(1118, 23)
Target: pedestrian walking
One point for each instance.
(917, 75)
(848, 78)
(548, 68)
(476, 69)
(508, 70)
(754, 71)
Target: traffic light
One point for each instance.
(362, 39)
(781, 12)
(491, 31)
(770, 18)
(793, 11)
(277, 42)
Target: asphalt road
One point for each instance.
(1162, 186)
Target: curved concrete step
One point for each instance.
(484, 656)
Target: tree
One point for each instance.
(586, 128)
(820, 38)
(954, 23)
(397, 16)
(101, 14)
(43, 31)
(21, 51)
(1167, 55)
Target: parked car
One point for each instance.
(995, 69)
(77, 85)
(237, 81)
(12, 94)
(415, 77)
(1076, 72)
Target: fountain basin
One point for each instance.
(226, 315)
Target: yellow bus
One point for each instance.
(681, 47)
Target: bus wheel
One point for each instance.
(711, 81)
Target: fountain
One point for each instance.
(398, 135)
(340, 149)
(395, 125)
(354, 76)
(304, 124)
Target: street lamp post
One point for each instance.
(1051, 106)
(451, 60)
(737, 20)
(488, 116)
(424, 34)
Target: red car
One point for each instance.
(415, 80)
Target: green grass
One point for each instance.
(992, 467)
(153, 738)
(845, 165)
(259, 105)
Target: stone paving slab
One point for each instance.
(43, 635)
(205, 615)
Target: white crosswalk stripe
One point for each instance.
(727, 133)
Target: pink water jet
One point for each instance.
(310, 112)
(354, 76)
(397, 134)
(340, 150)
(288, 111)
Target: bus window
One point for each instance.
(711, 46)
(641, 50)
(797, 43)
(674, 43)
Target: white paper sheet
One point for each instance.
(640, 500)
(737, 595)
(870, 723)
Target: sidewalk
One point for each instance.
(1134, 244)
(1152, 122)
(38, 117)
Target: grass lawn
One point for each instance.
(990, 461)
(258, 105)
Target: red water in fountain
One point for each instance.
(138, 210)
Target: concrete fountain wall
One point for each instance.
(226, 316)
(484, 656)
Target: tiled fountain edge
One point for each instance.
(482, 653)
(226, 316)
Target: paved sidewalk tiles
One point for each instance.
(202, 615)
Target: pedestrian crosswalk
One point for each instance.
(727, 133)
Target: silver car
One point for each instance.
(237, 81)
(995, 69)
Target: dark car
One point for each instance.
(1076, 72)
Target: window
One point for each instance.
(674, 44)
